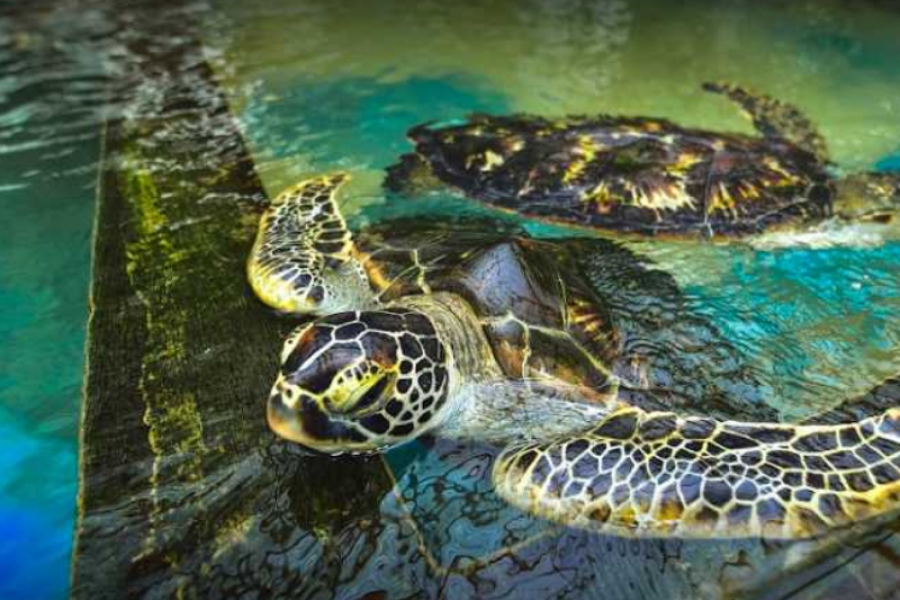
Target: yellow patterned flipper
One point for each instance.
(658, 475)
(302, 260)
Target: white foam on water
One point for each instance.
(827, 235)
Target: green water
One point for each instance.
(322, 87)
(319, 86)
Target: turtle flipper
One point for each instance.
(774, 118)
(658, 475)
(302, 239)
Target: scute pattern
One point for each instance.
(361, 381)
(655, 474)
(539, 315)
(300, 235)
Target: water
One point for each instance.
(320, 86)
(365, 71)
(50, 103)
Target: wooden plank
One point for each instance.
(180, 355)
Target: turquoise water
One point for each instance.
(47, 207)
(49, 126)
(318, 87)
(336, 88)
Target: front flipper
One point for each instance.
(657, 475)
(774, 118)
(302, 239)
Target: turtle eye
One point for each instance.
(376, 392)
(359, 390)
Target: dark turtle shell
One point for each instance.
(632, 174)
(574, 310)
(541, 319)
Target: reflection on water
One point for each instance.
(822, 323)
(204, 500)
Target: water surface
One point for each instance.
(319, 86)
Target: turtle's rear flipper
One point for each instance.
(774, 118)
(654, 474)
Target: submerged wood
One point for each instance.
(175, 449)
(185, 492)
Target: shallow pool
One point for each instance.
(322, 86)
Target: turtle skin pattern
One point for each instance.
(394, 351)
(659, 475)
(300, 234)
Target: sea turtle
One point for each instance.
(504, 343)
(647, 175)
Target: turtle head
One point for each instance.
(359, 382)
(869, 197)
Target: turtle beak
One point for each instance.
(304, 423)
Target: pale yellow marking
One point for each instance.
(599, 197)
(668, 198)
(492, 160)
(586, 151)
(422, 272)
(173, 420)
(685, 161)
(773, 165)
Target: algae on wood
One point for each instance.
(178, 467)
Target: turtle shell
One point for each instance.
(633, 174)
(539, 315)
(572, 310)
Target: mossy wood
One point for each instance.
(175, 449)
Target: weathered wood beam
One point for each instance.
(180, 355)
